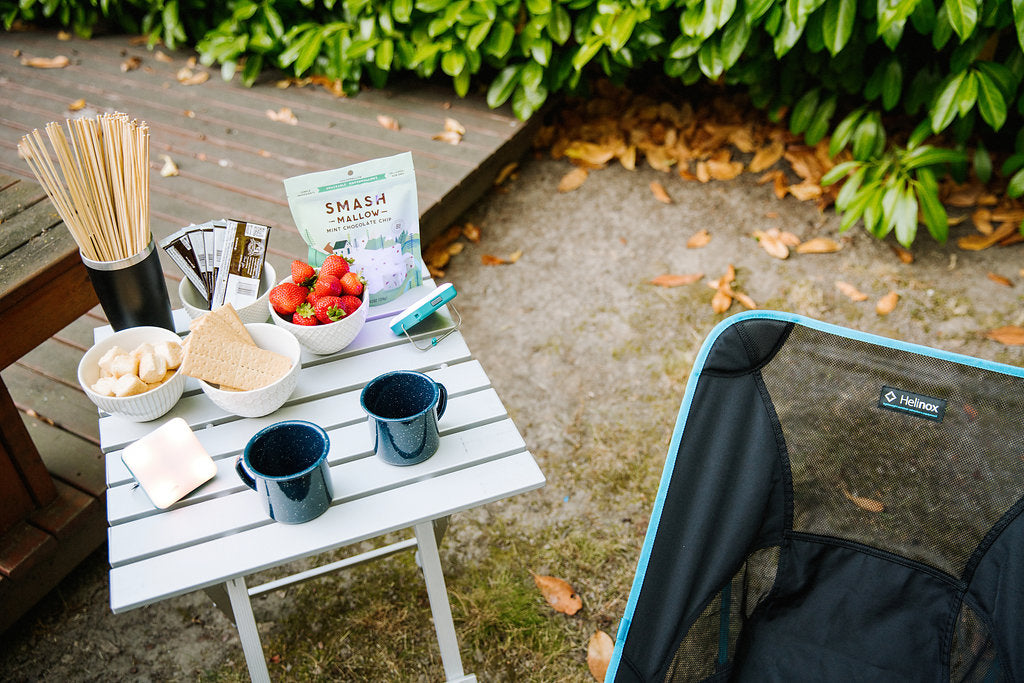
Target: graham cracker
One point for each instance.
(231, 362)
(226, 319)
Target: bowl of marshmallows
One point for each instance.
(134, 373)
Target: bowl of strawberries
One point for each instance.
(324, 308)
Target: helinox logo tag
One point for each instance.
(928, 407)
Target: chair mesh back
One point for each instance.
(944, 485)
(835, 506)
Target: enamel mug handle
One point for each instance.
(442, 399)
(243, 474)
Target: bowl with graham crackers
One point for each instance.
(247, 369)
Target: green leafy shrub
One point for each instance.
(857, 70)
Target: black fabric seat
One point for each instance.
(835, 506)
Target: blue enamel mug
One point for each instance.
(403, 408)
(286, 464)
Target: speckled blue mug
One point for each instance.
(286, 464)
(403, 408)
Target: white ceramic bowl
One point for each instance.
(327, 338)
(256, 312)
(265, 400)
(141, 407)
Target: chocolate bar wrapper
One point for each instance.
(179, 248)
(245, 249)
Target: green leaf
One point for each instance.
(560, 26)
(838, 171)
(892, 13)
(453, 61)
(844, 131)
(309, 52)
(499, 42)
(532, 75)
(925, 156)
(477, 34)
(733, 40)
(710, 61)
(934, 213)
(837, 26)
(431, 6)
(865, 137)
(803, 111)
(905, 217)
(401, 10)
(503, 85)
(461, 82)
(892, 84)
(982, 164)
(1018, 21)
(818, 126)
(1013, 163)
(585, 53)
(253, 67)
(944, 109)
(538, 6)
(990, 101)
(622, 30)
(963, 16)
(1015, 187)
(755, 9)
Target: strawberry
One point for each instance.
(286, 297)
(334, 265)
(329, 309)
(311, 298)
(302, 272)
(350, 303)
(304, 315)
(352, 283)
(326, 285)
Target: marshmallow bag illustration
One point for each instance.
(366, 212)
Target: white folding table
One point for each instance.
(219, 535)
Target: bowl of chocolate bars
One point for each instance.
(223, 261)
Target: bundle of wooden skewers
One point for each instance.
(101, 189)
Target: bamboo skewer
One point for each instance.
(101, 189)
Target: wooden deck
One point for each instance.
(232, 159)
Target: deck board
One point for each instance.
(232, 161)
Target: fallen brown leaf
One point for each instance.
(818, 245)
(186, 76)
(699, 239)
(131, 64)
(58, 62)
(805, 191)
(506, 172)
(669, 280)
(1011, 335)
(721, 302)
(599, 654)
(572, 180)
(63, 35)
(283, 115)
(864, 503)
(169, 168)
(1015, 214)
(887, 303)
(77, 105)
(744, 300)
(388, 122)
(978, 242)
(558, 593)
(453, 126)
(659, 192)
(472, 232)
(163, 57)
(772, 243)
(902, 254)
(702, 172)
(850, 291)
(449, 136)
(765, 157)
(1000, 280)
(514, 256)
(982, 219)
(590, 153)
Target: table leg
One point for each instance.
(437, 593)
(247, 633)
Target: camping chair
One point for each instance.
(835, 506)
